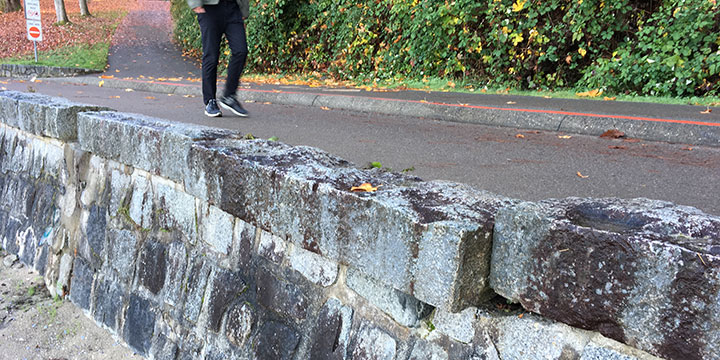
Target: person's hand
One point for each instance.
(199, 10)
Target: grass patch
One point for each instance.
(81, 56)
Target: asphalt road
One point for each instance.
(530, 165)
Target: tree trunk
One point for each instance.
(84, 11)
(10, 5)
(62, 17)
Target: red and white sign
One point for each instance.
(32, 18)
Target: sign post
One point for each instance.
(34, 25)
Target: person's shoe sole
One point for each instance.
(213, 115)
(231, 109)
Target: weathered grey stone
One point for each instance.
(280, 296)
(602, 348)
(95, 228)
(108, 303)
(141, 202)
(41, 114)
(120, 185)
(122, 254)
(425, 350)
(163, 349)
(64, 272)
(243, 244)
(314, 267)
(139, 324)
(239, 325)
(459, 326)
(217, 228)
(372, 343)
(152, 266)
(430, 240)
(196, 285)
(10, 260)
(271, 247)
(178, 209)
(176, 264)
(81, 284)
(331, 338)
(533, 338)
(225, 288)
(276, 341)
(403, 308)
(151, 144)
(639, 271)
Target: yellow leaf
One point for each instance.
(581, 175)
(582, 52)
(609, 98)
(451, 84)
(518, 6)
(564, 136)
(511, 103)
(707, 111)
(129, 90)
(115, 97)
(150, 97)
(101, 83)
(107, 76)
(520, 136)
(591, 93)
(325, 108)
(366, 187)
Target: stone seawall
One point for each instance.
(192, 243)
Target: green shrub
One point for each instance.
(660, 47)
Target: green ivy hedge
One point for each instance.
(662, 48)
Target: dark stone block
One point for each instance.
(163, 349)
(29, 244)
(139, 325)
(43, 209)
(10, 234)
(332, 333)
(276, 341)
(227, 286)
(95, 232)
(151, 272)
(41, 259)
(108, 303)
(281, 297)
(81, 284)
(196, 284)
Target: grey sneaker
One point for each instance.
(231, 103)
(211, 109)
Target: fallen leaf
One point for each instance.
(613, 134)
(582, 176)
(267, 103)
(129, 90)
(610, 98)
(511, 102)
(617, 147)
(568, 59)
(107, 76)
(274, 138)
(687, 148)
(366, 187)
(707, 111)
(325, 108)
(115, 97)
(520, 136)
(150, 97)
(521, 316)
(564, 136)
(591, 93)
(376, 164)
(451, 84)
(547, 97)
(101, 83)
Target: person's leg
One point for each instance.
(237, 40)
(211, 28)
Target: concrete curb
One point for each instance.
(652, 129)
(10, 70)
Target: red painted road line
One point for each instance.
(622, 117)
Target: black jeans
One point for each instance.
(223, 18)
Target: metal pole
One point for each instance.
(35, 46)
